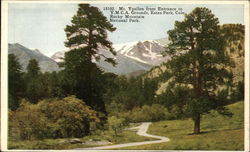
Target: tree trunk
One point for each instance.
(197, 120)
(86, 128)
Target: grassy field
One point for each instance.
(124, 137)
(219, 132)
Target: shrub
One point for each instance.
(52, 118)
(71, 116)
(115, 124)
(27, 122)
(146, 113)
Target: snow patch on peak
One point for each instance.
(137, 59)
(124, 47)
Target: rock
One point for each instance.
(75, 141)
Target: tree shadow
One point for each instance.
(212, 131)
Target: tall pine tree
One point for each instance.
(86, 37)
(35, 88)
(199, 66)
(15, 82)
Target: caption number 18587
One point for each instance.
(108, 8)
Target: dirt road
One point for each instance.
(142, 131)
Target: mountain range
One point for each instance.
(132, 58)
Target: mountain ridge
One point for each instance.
(25, 54)
(133, 58)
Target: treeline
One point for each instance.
(110, 88)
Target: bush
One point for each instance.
(115, 124)
(52, 118)
(71, 117)
(27, 122)
(155, 112)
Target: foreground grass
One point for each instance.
(219, 132)
(124, 137)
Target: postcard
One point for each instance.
(125, 75)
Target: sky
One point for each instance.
(41, 26)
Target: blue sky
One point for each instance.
(42, 25)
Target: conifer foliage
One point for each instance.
(199, 66)
(14, 81)
(88, 32)
(86, 39)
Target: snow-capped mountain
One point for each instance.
(131, 57)
(148, 52)
(24, 55)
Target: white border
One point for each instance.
(4, 48)
(4, 80)
(247, 83)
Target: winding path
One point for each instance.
(142, 131)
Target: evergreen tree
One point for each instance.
(35, 86)
(53, 82)
(15, 82)
(33, 69)
(86, 37)
(149, 87)
(199, 65)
